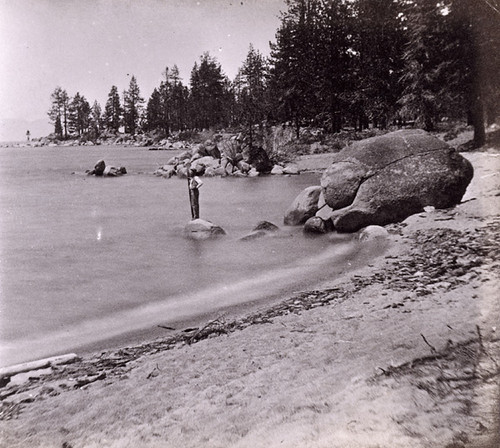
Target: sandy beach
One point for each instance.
(402, 352)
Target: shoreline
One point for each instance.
(401, 352)
(260, 293)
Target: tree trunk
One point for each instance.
(477, 111)
(477, 118)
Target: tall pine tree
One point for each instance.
(132, 107)
(59, 112)
(113, 111)
(79, 115)
(209, 94)
(251, 91)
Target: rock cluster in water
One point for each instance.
(201, 229)
(101, 169)
(229, 157)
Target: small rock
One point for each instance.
(371, 233)
(266, 226)
(316, 225)
(277, 170)
(290, 169)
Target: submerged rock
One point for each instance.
(266, 226)
(317, 225)
(200, 229)
(263, 228)
(255, 234)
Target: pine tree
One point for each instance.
(113, 111)
(334, 63)
(295, 61)
(210, 94)
(132, 107)
(474, 51)
(424, 64)
(96, 121)
(167, 106)
(79, 115)
(377, 48)
(154, 112)
(59, 111)
(178, 96)
(251, 90)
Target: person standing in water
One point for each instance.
(194, 193)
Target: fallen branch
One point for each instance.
(80, 382)
(433, 349)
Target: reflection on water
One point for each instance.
(85, 257)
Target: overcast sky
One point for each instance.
(87, 46)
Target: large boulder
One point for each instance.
(200, 229)
(303, 207)
(387, 178)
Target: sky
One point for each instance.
(87, 46)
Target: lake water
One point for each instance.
(86, 259)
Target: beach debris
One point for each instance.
(83, 381)
(214, 327)
(154, 373)
(7, 372)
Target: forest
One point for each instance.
(334, 64)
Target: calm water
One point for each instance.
(84, 259)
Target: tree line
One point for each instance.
(334, 63)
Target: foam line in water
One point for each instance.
(181, 307)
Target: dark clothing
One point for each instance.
(195, 203)
(194, 196)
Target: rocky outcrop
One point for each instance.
(227, 158)
(385, 179)
(303, 207)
